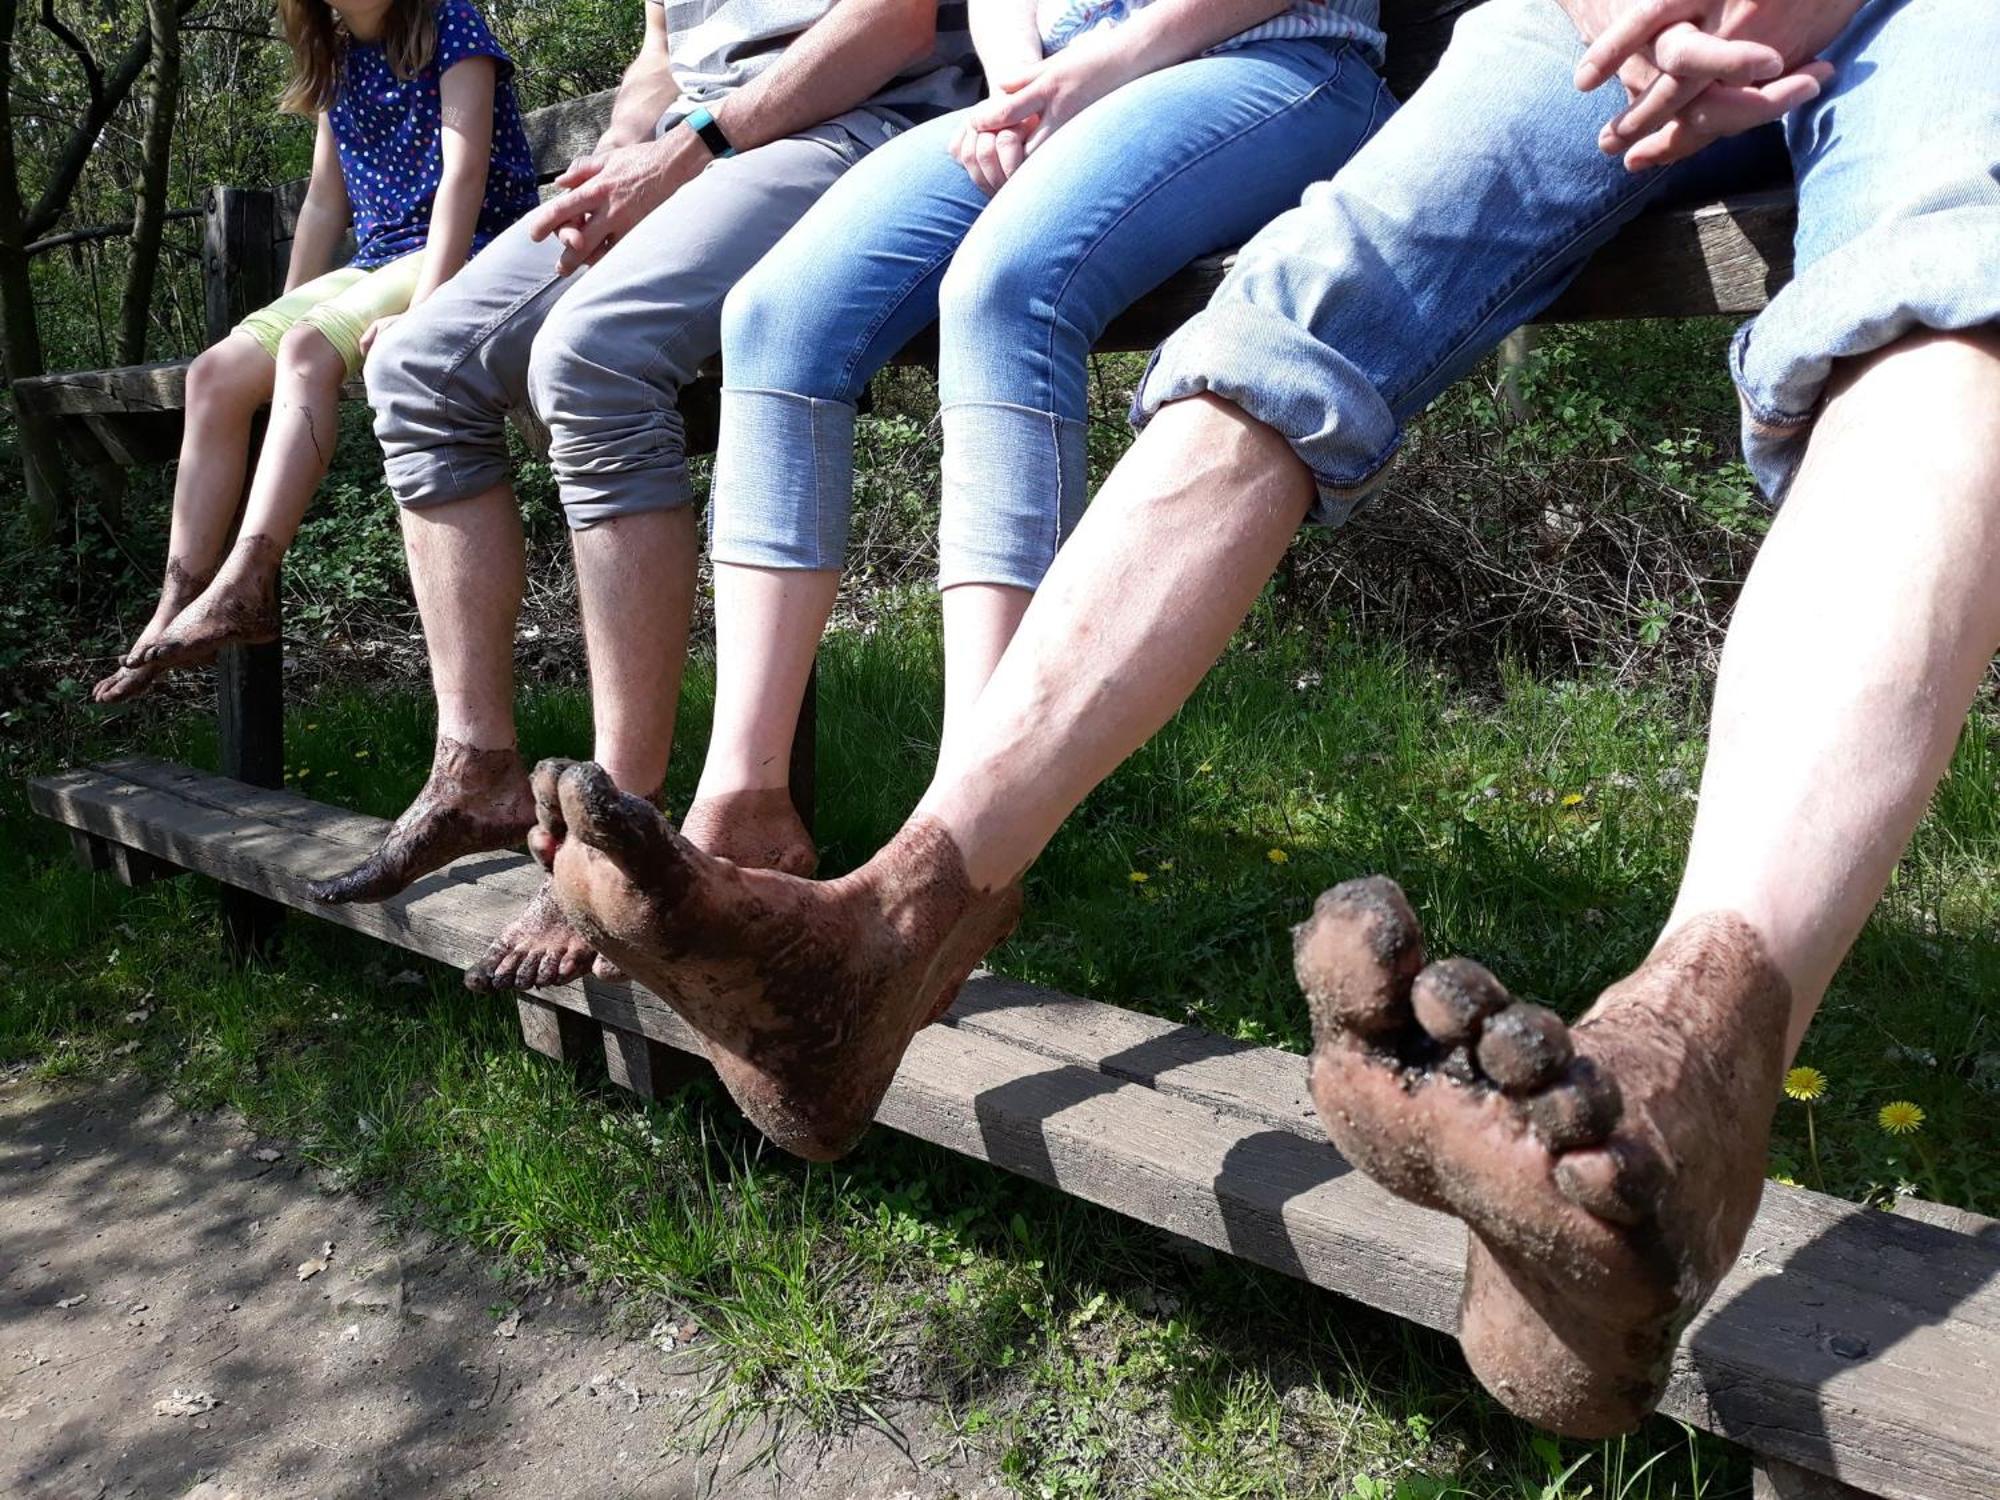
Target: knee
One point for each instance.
(785, 329)
(1933, 369)
(991, 281)
(306, 358)
(235, 372)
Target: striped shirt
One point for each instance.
(717, 46)
(1063, 21)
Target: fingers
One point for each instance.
(1631, 35)
(1017, 108)
(580, 171)
(1726, 110)
(1689, 52)
(1666, 98)
(584, 243)
(1010, 150)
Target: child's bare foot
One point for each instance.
(1608, 1172)
(759, 829)
(181, 588)
(807, 993)
(238, 608)
(474, 800)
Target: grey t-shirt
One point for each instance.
(720, 45)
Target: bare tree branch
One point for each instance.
(93, 76)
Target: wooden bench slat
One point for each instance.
(1874, 1356)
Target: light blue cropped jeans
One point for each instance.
(1186, 161)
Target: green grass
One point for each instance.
(1538, 824)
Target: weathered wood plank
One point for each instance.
(1849, 1342)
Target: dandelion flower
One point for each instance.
(1900, 1117)
(1277, 856)
(1805, 1084)
(1138, 877)
(1574, 799)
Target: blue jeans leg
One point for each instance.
(1178, 164)
(855, 280)
(1898, 168)
(1464, 217)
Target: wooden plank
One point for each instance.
(558, 1032)
(1853, 1343)
(649, 1068)
(90, 852)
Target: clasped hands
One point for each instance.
(1695, 71)
(605, 194)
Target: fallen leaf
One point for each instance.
(185, 1404)
(128, 1049)
(78, 1300)
(268, 1153)
(508, 1326)
(137, 1017)
(311, 1268)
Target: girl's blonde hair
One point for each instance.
(409, 39)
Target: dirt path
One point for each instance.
(156, 1340)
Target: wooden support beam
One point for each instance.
(559, 1033)
(1857, 1344)
(650, 1068)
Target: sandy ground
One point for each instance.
(157, 1340)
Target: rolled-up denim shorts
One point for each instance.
(1479, 201)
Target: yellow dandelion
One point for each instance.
(1138, 877)
(1900, 1117)
(1166, 865)
(1805, 1084)
(1573, 799)
(1277, 856)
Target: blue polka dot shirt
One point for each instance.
(390, 134)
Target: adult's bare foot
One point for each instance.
(806, 992)
(474, 800)
(181, 588)
(238, 608)
(757, 828)
(1608, 1171)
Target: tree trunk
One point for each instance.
(135, 311)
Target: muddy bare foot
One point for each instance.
(807, 993)
(1608, 1171)
(759, 829)
(537, 949)
(474, 800)
(239, 608)
(181, 588)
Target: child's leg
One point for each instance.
(320, 351)
(225, 386)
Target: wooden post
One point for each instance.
(238, 267)
(556, 1031)
(648, 1068)
(805, 751)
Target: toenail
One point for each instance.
(1524, 1047)
(1619, 1183)
(1453, 996)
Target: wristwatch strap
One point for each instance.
(703, 124)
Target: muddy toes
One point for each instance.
(545, 785)
(539, 950)
(123, 685)
(631, 830)
(1356, 957)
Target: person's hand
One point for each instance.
(1031, 107)
(1697, 70)
(605, 196)
(990, 157)
(375, 330)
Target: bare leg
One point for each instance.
(225, 386)
(467, 569)
(239, 606)
(635, 579)
(979, 620)
(768, 624)
(768, 967)
(1609, 1171)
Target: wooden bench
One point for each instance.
(1854, 1352)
